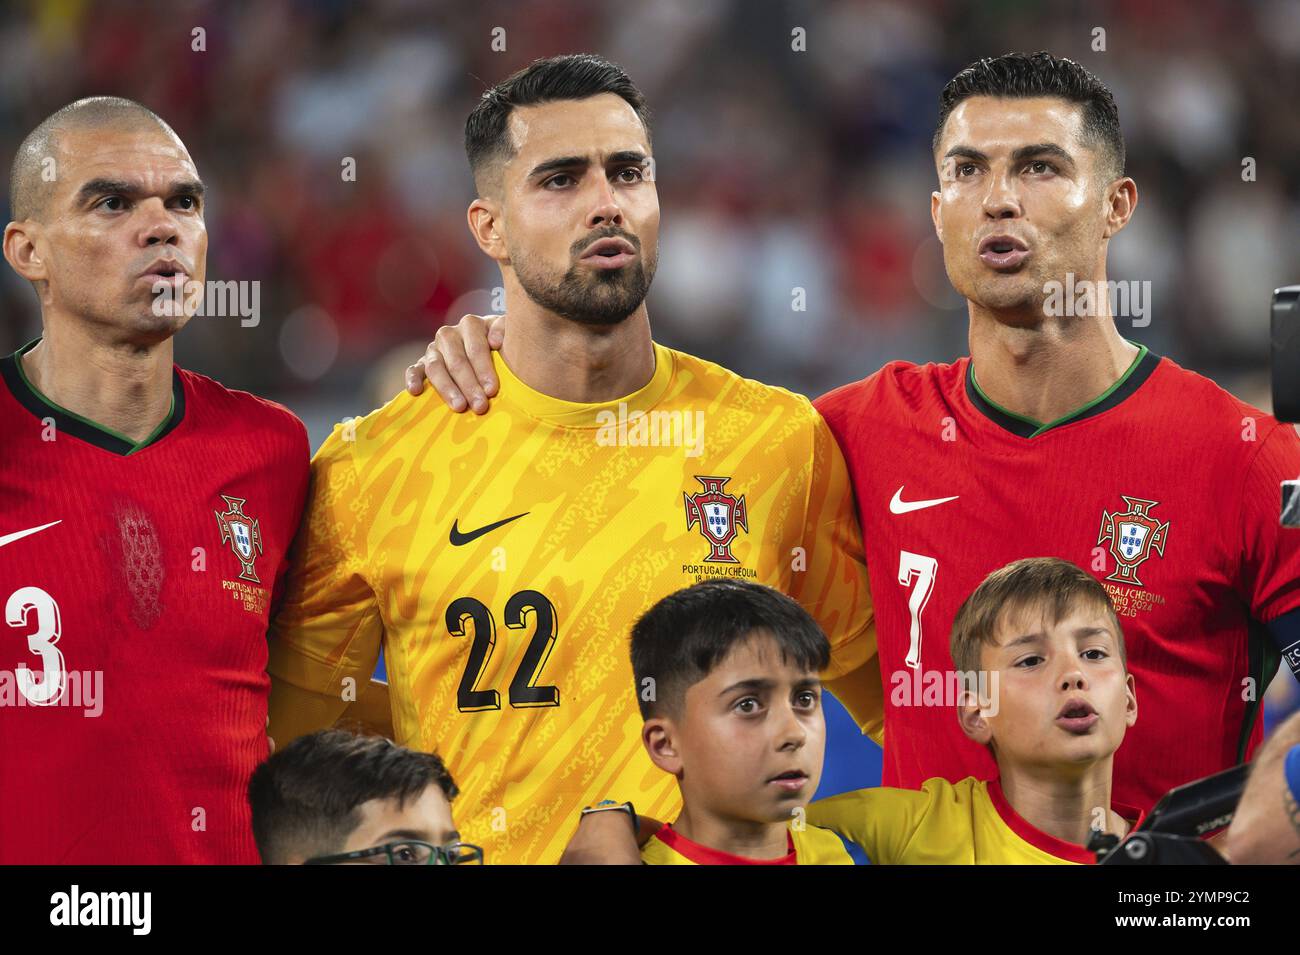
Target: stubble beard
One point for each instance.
(588, 296)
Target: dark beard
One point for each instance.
(591, 296)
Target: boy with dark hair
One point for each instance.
(333, 797)
(727, 681)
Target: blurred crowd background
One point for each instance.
(776, 169)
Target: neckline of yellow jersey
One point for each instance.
(578, 414)
(1046, 842)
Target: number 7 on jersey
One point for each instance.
(918, 572)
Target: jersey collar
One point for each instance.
(1031, 834)
(1138, 372)
(68, 422)
(703, 855)
(577, 414)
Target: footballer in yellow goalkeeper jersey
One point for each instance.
(500, 560)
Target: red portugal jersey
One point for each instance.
(1166, 488)
(137, 581)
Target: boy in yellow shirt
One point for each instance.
(1041, 638)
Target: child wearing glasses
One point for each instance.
(333, 797)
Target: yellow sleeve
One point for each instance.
(833, 584)
(328, 629)
(881, 820)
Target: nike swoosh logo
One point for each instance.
(457, 538)
(898, 506)
(19, 535)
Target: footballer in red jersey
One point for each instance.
(1057, 437)
(1152, 488)
(146, 514)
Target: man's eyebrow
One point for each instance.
(123, 187)
(1042, 149)
(188, 187)
(621, 158)
(970, 152)
(1024, 152)
(558, 163)
(627, 156)
(415, 834)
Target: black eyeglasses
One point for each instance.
(407, 853)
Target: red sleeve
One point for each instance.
(1270, 568)
(297, 473)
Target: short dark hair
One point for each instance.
(306, 797)
(1022, 75)
(574, 76)
(1056, 585)
(679, 640)
(28, 190)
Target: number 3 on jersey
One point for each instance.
(918, 572)
(22, 602)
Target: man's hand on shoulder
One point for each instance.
(458, 363)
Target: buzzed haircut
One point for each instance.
(571, 77)
(1025, 75)
(306, 798)
(1056, 587)
(28, 188)
(679, 641)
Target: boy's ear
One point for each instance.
(1131, 705)
(659, 736)
(973, 717)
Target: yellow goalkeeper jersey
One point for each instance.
(806, 845)
(968, 822)
(501, 560)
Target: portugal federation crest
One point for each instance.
(243, 535)
(719, 514)
(1132, 536)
